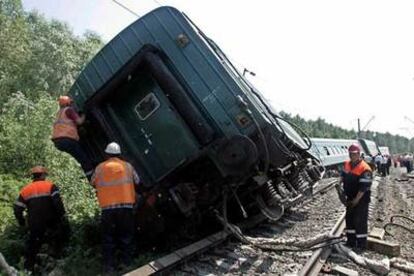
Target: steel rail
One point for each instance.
(319, 257)
(165, 263)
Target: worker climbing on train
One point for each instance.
(45, 219)
(356, 178)
(65, 134)
(116, 182)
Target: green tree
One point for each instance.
(38, 54)
(14, 46)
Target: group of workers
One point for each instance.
(383, 163)
(405, 160)
(116, 184)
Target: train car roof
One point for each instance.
(119, 51)
(333, 140)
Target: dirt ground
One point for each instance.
(394, 196)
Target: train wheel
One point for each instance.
(273, 212)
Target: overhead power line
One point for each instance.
(408, 119)
(369, 121)
(126, 8)
(156, 1)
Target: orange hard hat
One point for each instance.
(64, 100)
(38, 169)
(354, 148)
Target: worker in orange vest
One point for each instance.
(115, 181)
(357, 179)
(65, 134)
(45, 214)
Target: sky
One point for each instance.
(337, 60)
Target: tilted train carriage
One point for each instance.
(195, 130)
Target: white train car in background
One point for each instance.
(384, 151)
(331, 152)
(334, 152)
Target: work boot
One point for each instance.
(350, 240)
(359, 250)
(350, 244)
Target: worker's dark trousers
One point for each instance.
(378, 167)
(55, 235)
(73, 147)
(357, 225)
(383, 169)
(118, 227)
(33, 244)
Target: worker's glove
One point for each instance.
(341, 193)
(351, 203)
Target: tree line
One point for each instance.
(322, 129)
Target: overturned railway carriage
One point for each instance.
(198, 134)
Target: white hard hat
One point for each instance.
(113, 148)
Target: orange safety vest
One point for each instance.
(37, 189)
(64, 127)
(114, 183)
(358, 170)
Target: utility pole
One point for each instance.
(409, 140)
(359, 128)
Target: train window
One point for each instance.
(326, 150)
(147, 106)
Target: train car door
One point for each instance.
(151, 128)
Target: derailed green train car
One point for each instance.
(195, 130)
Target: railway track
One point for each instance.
(218, 255)
(318, 259)
(233, 255)
(320, 256)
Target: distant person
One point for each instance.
(116, 182)
(409, 162)
(356, 178)
(369, 160)
(65, 134)
(402, 160)
(378, 162)
(389, 164)
(396, 160)
(384, 162)
(45, 215)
